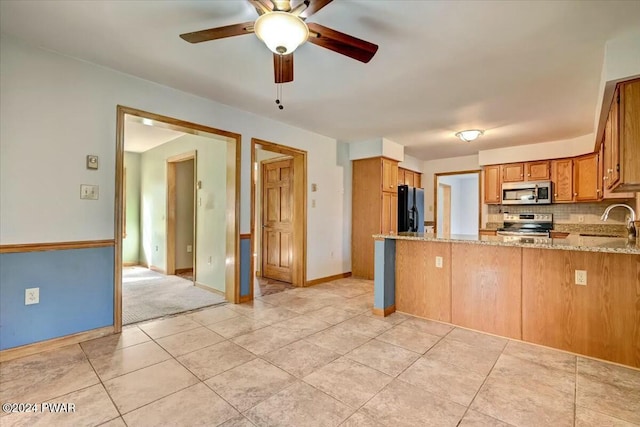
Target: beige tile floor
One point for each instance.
(316, 357)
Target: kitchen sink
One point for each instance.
(600, 235)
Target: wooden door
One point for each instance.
(446, 209)
(277, 220)
(538, 171)
(628, 137)
(389, 175)
(585, 178)
(492, 184)
(612, 171)
(409, 178)
(513, 172)
(389, 218)
(401, 176)
(562, 179)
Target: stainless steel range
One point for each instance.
(526, 224)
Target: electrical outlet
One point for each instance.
(580, 218)
(31, 296)
(581, 277)
(189, 248)
(438, 262)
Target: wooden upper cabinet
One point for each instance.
(401, 176)
(409, 178)
(389, 175)
(538, 171)
(585, 178)
(611, 146)
(562, 180)
(513, 172)
(628, 137)
(492, 184)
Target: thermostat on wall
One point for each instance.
(92, 162)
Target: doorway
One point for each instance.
(458, 202)
(278, 212)
(187, 217)
(181, 215)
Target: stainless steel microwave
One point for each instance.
(527, 193)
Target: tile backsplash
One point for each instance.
(566, 213)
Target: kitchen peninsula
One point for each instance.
(521, 289)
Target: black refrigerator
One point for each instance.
(410, 209)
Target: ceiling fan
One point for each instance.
(283, 28)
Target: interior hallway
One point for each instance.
(317, 357)
(147, 294)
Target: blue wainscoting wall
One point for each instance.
(76, 294)
(245, 265)
(384, 284)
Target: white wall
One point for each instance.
(464, 203)
(541, 151)
(451, 164)
(131, 242)
(375, 148)
(412, 163)
(56, 110)
(211, 205)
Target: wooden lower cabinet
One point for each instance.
(601, 319)
(422, 289)
(485, 288)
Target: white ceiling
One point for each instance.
(526, 71)
(139, 138)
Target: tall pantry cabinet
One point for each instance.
(374, 209)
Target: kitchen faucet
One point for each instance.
(630, 227)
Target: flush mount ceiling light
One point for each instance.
(469, 135)
(282, 32)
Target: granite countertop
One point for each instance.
(573, 242)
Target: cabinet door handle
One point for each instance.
(575, 194)
(497, 197)
(555, 195)
(528, 174)
(604, 178)
(609, 170)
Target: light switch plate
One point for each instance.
(92, 162)
(438, 262)
(89, 192)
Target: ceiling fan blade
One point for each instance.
(281, 5)
(283, 67)
(218, 33)
(262, 6)
(314, 6)
(341, 43)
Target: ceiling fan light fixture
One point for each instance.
(469, 135)
(282, 32)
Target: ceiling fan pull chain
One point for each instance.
(279, 96)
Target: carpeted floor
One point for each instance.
(149, 295)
